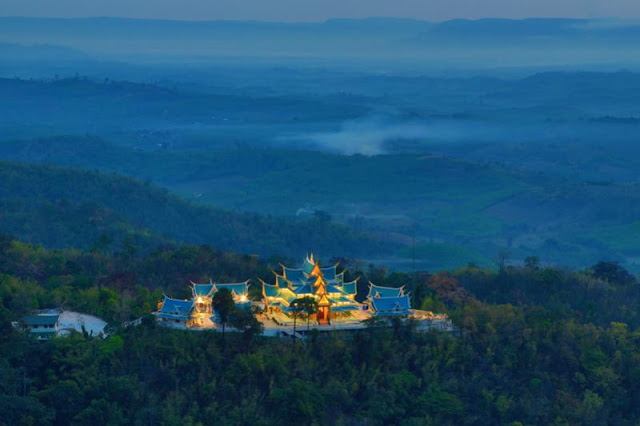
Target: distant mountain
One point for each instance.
(80, 105)
(64, 207)
(509, 31)
(507, 28)
(381, 43)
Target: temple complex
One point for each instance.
(334, 302)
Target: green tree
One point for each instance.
(246, 322)
(309, 306)
(612, 272)
(224, 305)
(297, 306)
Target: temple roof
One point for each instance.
(39, 320)
(325, 284)
(303, 289)
(333, 289)
(391, 305)
(281, 281)
(329, 273)
(350, 288)
(202, 290)
(241, 289)
(376, 291)
(287, 295)
(269, 290)
(294, 275)
(208, 290)
(175, 308)
(308, 264)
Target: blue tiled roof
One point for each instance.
(350, 288)
(329, 273)
(295, 275)
(281, 281)
(391, 305)
(303, 289)
(333, 289)
(241, 289)
(202, 290)
(270, 290)
(380, 291)
(38, 320)
(176, 307)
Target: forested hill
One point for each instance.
(541, 356)
(66, 207)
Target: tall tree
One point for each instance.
(309, 306)
(297, 307)
(224, 305)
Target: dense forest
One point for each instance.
(536, 345)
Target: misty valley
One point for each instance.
(442, 171)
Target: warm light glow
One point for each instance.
(243, 298)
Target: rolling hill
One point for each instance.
(457, 210)
(65, 207)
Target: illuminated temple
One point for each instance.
(198, 311)
(335, 298)
(337, 307)
(388, 301)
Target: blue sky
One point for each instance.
(315, 10)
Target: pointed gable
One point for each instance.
(324, 301)
(309, 264)
(202, 290)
